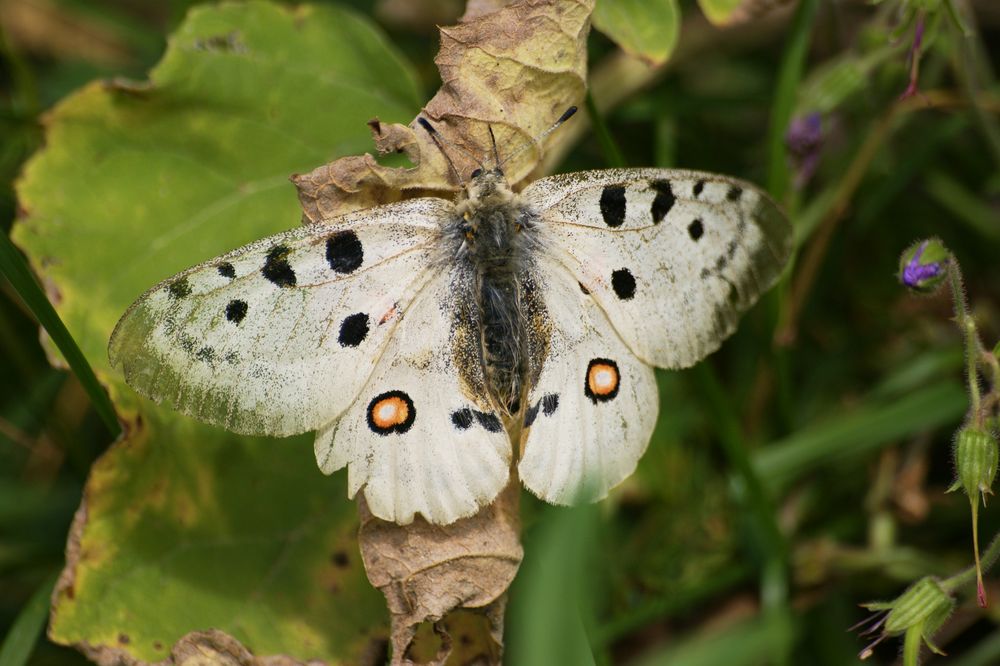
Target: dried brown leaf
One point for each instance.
(427, 572)
(515, 70)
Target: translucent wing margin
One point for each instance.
(673, 257)
(278, 337)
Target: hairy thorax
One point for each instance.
(493, 235)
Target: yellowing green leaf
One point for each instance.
(186, 528)
(732, 12)
(647, 29)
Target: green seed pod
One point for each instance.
(925, 602)
(976, 454)
(923, 266)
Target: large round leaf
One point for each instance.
(187, 528)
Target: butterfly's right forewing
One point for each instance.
(279, 336)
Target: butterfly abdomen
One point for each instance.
(493, 236)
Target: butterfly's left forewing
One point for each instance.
(278, 337)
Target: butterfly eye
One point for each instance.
(476, 173)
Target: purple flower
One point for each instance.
(923, 266)
(804, 139)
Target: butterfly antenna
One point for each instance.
(441, 142)
(567, 114)
(493, 140)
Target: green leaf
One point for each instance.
(186, 527)
(839, 79)
(720, 12)
(139, 181)
(645, 28)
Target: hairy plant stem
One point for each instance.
(968, 575)
(966, 322)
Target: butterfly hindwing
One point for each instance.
(278, 337)
(423, 435)
(592, 409)
(673, 257)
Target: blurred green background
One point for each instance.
(798, 472)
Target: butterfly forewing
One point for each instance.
(278, 337)
(673, 257)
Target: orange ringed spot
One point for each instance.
(391, 412)
(602, 380)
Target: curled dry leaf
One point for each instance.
(516, 70)
(428, 572)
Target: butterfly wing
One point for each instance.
(672, 257)
(423, 435)
(592, 408)
(279, 336)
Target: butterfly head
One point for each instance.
(488, 186)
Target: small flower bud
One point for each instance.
(976, 454)
(923, 266)
(918, 612)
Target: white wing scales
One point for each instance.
(446, 452)
(591, 413)
(277, 337)
(673, 257)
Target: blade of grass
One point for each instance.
(665, 607)
(20, 640)
(754, 496)
(612, 155)
(747, 643)
(552, 598)
(860, 431)
(963, 204)
(789, 77)
(15, 269)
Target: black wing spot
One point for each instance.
(226, 270)
(734, 193)
(462, 419)
(490, 422)
(586, 292)
(344, 252)
(663, 201)
(353, 330)
(550, 403)
(276, 267)
(236, 311)
(179, 288)
(698, 187)
(531, 414)
(613, 205)
(623, 282)
(696, 229)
